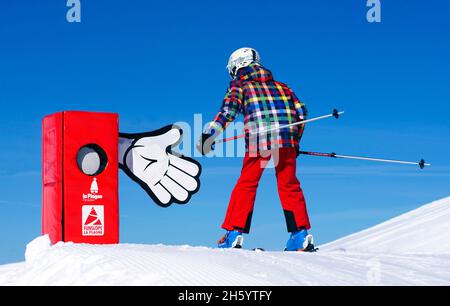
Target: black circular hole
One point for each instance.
(92, 159)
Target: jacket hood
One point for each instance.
(254, 72)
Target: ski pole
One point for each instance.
(336, 114)
(421, 163)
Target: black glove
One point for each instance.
(206, 143)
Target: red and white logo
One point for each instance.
(94, 186)
(94, 193)
(93, 220)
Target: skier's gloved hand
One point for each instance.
(206, 143)
(166, 176)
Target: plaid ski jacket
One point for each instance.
(265, 104)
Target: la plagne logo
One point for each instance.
(93, 195)
(93, 220)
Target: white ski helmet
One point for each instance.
(241, 58)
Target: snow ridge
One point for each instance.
(424, 230)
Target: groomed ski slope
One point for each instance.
(424, 230)
(360, 259)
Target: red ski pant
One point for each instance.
(240, 208)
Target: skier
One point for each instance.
(265, 104)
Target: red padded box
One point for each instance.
(80, 177)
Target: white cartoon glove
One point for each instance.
(166, 176)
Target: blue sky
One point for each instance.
(159, 62)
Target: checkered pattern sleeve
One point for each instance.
(300, 107)
(231, 107)
(302, 111)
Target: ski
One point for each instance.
(258, 250)
(310, 249)
(239, 247)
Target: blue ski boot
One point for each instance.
(232, 239)
(300, 241)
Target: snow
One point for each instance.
(424, 230)
(412, 249)
(36, 247)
